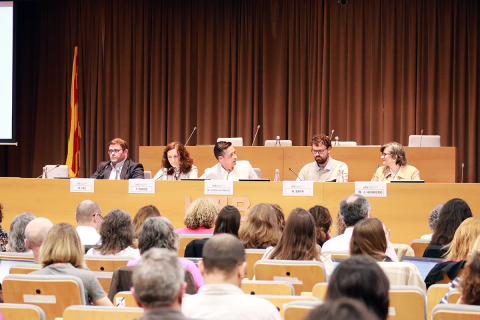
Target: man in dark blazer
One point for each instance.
(120, 167)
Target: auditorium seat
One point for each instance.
(185, 239)
(407, 302)
(299, 309)
(320, 290)
(255, 287)
(24, 268)
(252, 256)
(424, 141)
(456, 312)
(434, 294)
(419, 246)
(403, 250)
(21, 311)
(453, 296)
(98, 312)
(279, 301)
(124, 298)
(147, 174)
(104, 266)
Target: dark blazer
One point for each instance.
(130, 170)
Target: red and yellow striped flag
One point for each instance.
(73, 157)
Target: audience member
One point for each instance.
(341, 309)
(260, 230)
(158, 232)
(3, 233)
(323, 221)
(118, 223)
(158, 285)
(89, 219)
(352, 209)
(35, 233)
(432, 221)
(142, 214)
(280, 215)
(62, 254)
(200, 217)
(339, 225)
(298, 241)
(223, 268)
(360, 278)
(16, 241)
(369, 239)
(470, 283)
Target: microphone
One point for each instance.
(166, 171)
(103, 170)
(375, 174)
(331, 134)
(191, 135)
(295, 173)
(48, 171)
(421, 135)
(176, 175)
(463, 165)
(255, 135)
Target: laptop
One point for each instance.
(407, 181)
(424, 265)
(6, 264)
(53, 171)
(253, 179)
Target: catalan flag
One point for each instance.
(73, 157)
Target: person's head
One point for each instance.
(433, 218)
(464, 239)
(117, 150)
(201, 213)
(361, 278)
(260, 230)
(119, 223)
(353, 209)
(16, 235)
(62, 245)
(157, 232)
(451, 216)
(369, 239)
(393, 153)
(339, 224)
(89, 214)
(225, 154)
(341, 309)
(158, 279)
(298, 241)
(36, 232)
(228, 221)
(323, 221)
(280, 215)
(321, 147)
(223, 258)
(176, 155)
(142, 214)
(470, 283)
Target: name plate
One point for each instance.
(82, 185)
(371, 189)
(141, 186)
(219, 187)
(298, 188)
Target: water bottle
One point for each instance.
(340, 176)
(44, 172)
(337, 143)
(277, 143)
(277, 175)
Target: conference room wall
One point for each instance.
(150, 71)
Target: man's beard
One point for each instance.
(321, 160)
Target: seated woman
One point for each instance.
(260, 230)
(453, 213)
(118, 223)
(158, 232)
(369, 239)
(16, 241)
(200, 217)
(470, 283)
(176, 164)
(62, 254)
(142, 214)
(323, 221)
(395, 164)
(280, 215)
(3, 233)
(432, 222)
(298, 241)
(228, 221)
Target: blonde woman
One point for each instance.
(143, 214)
(261, 229)
(200, 217)
(62, 254)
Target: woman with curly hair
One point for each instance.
(280, 215)
(176, 164)
(470, 283)
(200, 217)
(142, 214)
(323, 221)
(260, 230)
(116, 236)
(3, 233)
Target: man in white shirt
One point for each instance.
(223, 268)
(324, 168)
(35, 233)
(228, 168)
(89, 218)
(353, 209)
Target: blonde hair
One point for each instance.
(464, 239)
(261, 229)
(62, 245)
(202, 213)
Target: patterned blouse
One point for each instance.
(3, 240)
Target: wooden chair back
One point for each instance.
(186, 239)
(16, 255)
(124, 298)
(339, 256)
(252, 256)
(407, 302)
(297, 310)
(21, 311)
(320, 290)
(25, 268)
(454, 296)
(104, 267)
(267, 287)
(419, 246)
(456, 312)
(279, 301)
(434, 294)
(101, 313)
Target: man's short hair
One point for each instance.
(85, 211)
(36, 231)
(158, 278)
(119, 141)
(219, 149)
(16, 236)
(223, 252)
(321, 139)
(353, 209)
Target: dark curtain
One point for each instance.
(150, 71)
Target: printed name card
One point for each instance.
(298, 188)
(141, 186)
(219, 187)
(82, 185)
(371, 189)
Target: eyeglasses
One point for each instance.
(110, 151)
(98, 215)
(319, 151)
(387, 154)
